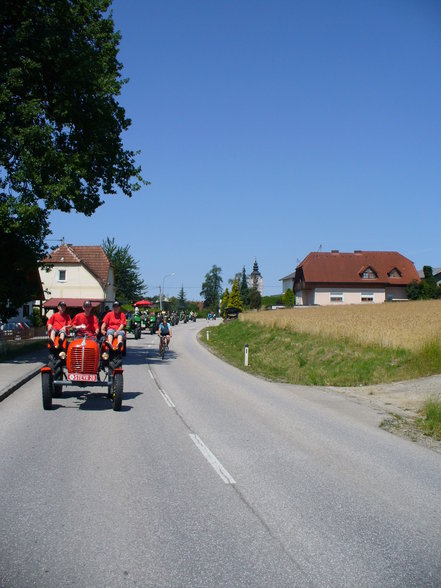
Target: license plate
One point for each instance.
(83, 377)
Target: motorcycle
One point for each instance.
(153, 325)
(134, 326)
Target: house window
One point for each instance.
(25, 309)
(61, 275)
(394, 273)
(367, 296)
(336, 296)
(369, 274)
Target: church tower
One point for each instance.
(255, 279)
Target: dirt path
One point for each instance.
(400, 402)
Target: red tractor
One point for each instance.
(85, 363)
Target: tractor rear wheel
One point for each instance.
(117, 391)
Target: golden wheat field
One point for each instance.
(409, 324)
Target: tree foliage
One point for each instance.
(244, 289)
(288, 298)
(255, 299)
(224, 302)
(212, 287)
(273, 300)
(413, 290)
(182, 301)
(130, 287)
(426, 288)
(234, 300)
(61, 125)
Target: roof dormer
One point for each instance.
(394, 273)
(368, 273)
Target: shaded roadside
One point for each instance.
(20, 368)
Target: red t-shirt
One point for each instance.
(58, 320)
(90, 321)
(114, 321)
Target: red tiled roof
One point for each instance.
(91, 256)
(336, 267)
(63, 254)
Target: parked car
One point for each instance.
(14, 328)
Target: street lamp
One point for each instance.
(161, 294)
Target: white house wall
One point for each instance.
(327, 296)
(338, 296)
(79, 283)
(287, 284)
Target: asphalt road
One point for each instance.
(209, 477)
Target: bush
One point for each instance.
(275, 300)
(36, 318)
(288, 298)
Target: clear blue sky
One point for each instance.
(269, 128)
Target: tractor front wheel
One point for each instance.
(47, 390)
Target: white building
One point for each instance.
(78, 273)
(351, 278)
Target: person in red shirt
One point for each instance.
(86, 323)
(115, 323)
(59, 323)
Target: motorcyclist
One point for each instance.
(164, 330)
(58, 323)
(137, 317)
(115, 323)
(86, 323)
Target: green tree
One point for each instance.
(429, 283)
(234, 300)
(61, 144)
(288, 298)
(426, 289)
(244, 289)
(130, 287)
(236, 277)
(212, 288)
(255, 299)
(224, 302)
(413, 290)
(182, 301)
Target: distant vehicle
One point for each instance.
(232, 313)
(14, 328)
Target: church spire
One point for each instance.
(255, 279)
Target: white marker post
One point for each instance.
(246, 355)
(208, 335)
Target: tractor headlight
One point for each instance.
(62, 355)
(105, 355)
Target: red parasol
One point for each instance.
(143, 303)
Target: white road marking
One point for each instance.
(167, 399)
(212, 460)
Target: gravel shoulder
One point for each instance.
(401, 403)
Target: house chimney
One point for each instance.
(357, 250)
(335, 251)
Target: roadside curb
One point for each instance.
(13, 386)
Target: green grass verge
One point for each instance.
(298, 358)
(430, 423)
